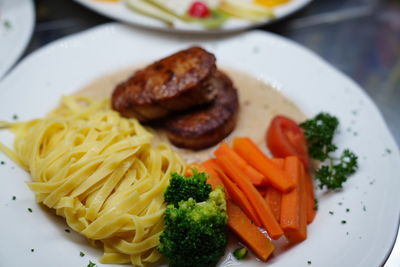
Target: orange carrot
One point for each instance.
(239, 223)
(213, 177)
(255, 177)
(238, 197)
(189, 167)
(273, 196)
(311, 211)
(280, 163)
(256, 200)
(293, 205)
(262, 190)
(256, 158)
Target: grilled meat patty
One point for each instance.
(206, 126)
(177, 82)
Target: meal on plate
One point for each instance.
(167, 160)
(208, 13)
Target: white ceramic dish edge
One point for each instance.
(369, 259)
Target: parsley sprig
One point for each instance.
(319, 133)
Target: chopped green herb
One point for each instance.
(14, 198)
(344, 222)
(331, 212)
(240, 253)
(364, 208)
(67, 230)
(32, 250)
(309, 262)
(7, 24)
(2, 162)
(81, 254)
(315, 204)
(347, 210)
(388, 151)
(91, 264)
(30, 210)
(319, 133)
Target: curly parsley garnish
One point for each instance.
(319, 133)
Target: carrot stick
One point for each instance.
(189, 167)
(255, 177)
(256, 158)
(293, 205)
(238, 197)
(214, 178)
(256, 200)
(311, 211)
(280, 163)
(239, 223)
(262, 190)
(273, 196)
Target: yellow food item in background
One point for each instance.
(101, 172)
(245, 10)
(271, 3)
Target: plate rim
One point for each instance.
(258, 32)
(21, 46)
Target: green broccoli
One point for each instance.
(195, 232)
(182, 188)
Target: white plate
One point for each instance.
(119, 11)
(36, 84)
(17, 18)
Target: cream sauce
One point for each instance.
(259, 103)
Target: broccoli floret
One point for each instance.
(183, 188)
(195, 232)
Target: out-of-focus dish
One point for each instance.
(17, 19)
(196, 16)
(357, 205)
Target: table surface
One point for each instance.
(359, 37)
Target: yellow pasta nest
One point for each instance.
(101, 172)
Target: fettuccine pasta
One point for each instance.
(101, 172)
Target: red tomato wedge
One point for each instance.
(285, 138)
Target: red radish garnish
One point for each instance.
(199, 10)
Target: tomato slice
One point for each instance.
(285, 138)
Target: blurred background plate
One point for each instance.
(119, 11)
(17, 18)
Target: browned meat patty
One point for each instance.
(207, 126)
(177, 82)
